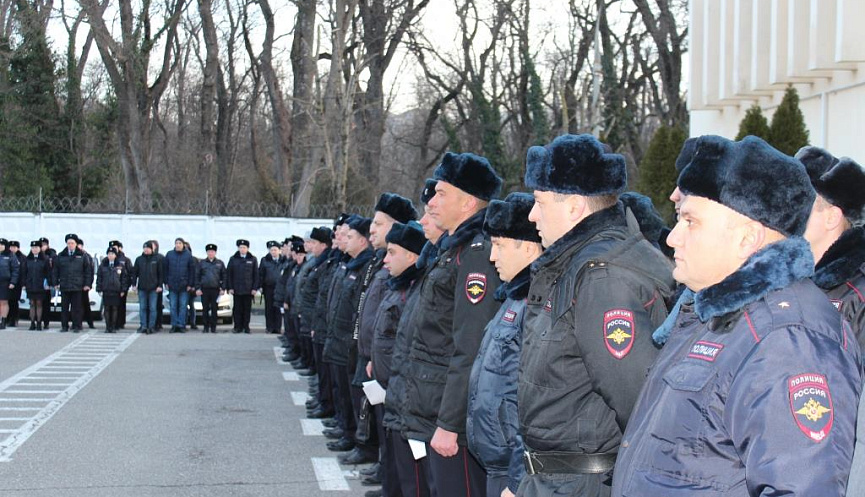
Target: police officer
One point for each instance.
(36, 278)
(492, 423)
(126, 261)
(85, 296)
(412, 473)
(596, 293)
(836, 234)
(112, 282)
(389, 209)
(342, 307)
(297, 271)
(73, 276)
(320, 243)
(454, 306)
(15, 293)
(269, 272)
(9, 276)
(755, 391)
(46, 303)
(210, 280)
(837, 240)
(242, 282)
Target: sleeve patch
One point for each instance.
(811, 405)
(476, 287)
(837, 303)
(619, 332)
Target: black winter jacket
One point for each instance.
(210, 274)
(386, 322)
(374, 288)
(73, 272)
(343, 309)
(596, 296)
(148, 274)
(320, 309)
(317, 267)
(841, 275)
(242, 274)
(36, 273)
(270, 269)
(112, 279)
(454, 306)
(10, 268)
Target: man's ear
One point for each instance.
(577, 205)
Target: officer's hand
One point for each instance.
(445, 443)
(199, 293)
(311, 333)
(222, 292)
(86, 288)
(189, 289)
(285, 306)
(11, 287)
(159, 289)
(231, 292)
(122, 294)
(507, 493)
(369, 369)
(254, 293)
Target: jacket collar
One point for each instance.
(318, 261)
(248, 255)
(41, 255)
(361, 259)
(281, 258)
(843, 259)
(470, 228)
(580, 234)
(517, 288)
(404, 280)
(772, 268)
(429, 255)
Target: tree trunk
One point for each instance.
(304, 148)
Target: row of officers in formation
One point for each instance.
(183, 276)
(566, 342)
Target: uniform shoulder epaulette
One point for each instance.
(477, 246)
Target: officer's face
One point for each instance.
(71, 245)
(13, 249)
(449, 206)
(35, 250)
(148, 251)
(512, 256)
(378, 230)
(44, 246)
(676, 197)
(243, 249)
(211, 254)
(111, 256)
(430, 231)
(555, 215)
(398, 259)
(355, 243)
(708, 241)
(274, 252)
(178, 246)
(286, 250)
(340, 239)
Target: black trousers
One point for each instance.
(457, 476)
(291, 325)
(242, 311)
(14, 297)
(70, 302)
(306, 353)
(342, 400)
(122, 320)
(209, 299)
(46, 308)
(389, 478)
(413, 475)
(85, 308)
(325, 387)
(272, 319)
(112, 317)
(159, 307)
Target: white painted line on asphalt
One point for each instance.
(290, 376)
(34, 391)
(25, 400)
(278, 351)
(14, 419)
(20, 409)
(312, 427)
(299, 398)
(8, 431)
(329, 474)
(66, 367)
(10, 444)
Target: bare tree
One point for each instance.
(127, 62)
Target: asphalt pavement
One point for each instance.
(96, 415)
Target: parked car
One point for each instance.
(224, 308)
(54, 310)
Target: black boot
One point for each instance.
(2, 323)
(38, 326)
(32, 325)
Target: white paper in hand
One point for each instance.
(418, 449)
(374, 392)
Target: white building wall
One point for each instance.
(748, 51)
(133, 230)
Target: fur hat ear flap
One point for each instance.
(686, 154)
(817, 161)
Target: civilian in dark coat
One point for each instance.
(36, 279)
(179, 270)
(148, 277)
(242, 283)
